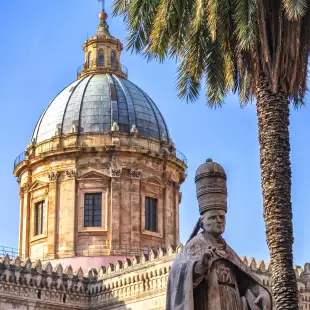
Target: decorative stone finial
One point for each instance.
(58, 130)
(115, 127)
(211, 187)
(103, 16)
(103, 28)
(134, 129)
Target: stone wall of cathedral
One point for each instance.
(133, 284)
(124, 169)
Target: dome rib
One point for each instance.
(122, 113)
(159, 113)
(65, 111)
(92, 103)
(147, 99)
(146, 121)
(113, 101)
(130, 107)
(36, 130)
(38, 126)
(71, 116)
(82, 103)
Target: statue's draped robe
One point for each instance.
(228, 285)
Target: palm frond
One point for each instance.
(121, 7)
(188, 86)
(139, 16)
(209, 37)
(215, 88)
(170, 26)
(229, 72)
(295, 9)
(212, 16)
(245, 12)
(194, 52)
(225, 33)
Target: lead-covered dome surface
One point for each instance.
(93, 103)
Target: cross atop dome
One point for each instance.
(103, 15)
(103, 4)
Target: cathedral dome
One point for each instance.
(99, 103)
(101, 177)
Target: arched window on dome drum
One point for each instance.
(150, 214)
(90, 60)
(39, 218)
(101, 58)
(113, 60)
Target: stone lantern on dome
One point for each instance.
(102, 52)
(101, 178)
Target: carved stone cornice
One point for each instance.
(70, 174)
(24, 188)
(154, 189)
(169, 182)
(54, 176)
(115, 172)
(21, 192)
(27, 186)
(135, 174)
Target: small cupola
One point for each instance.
(102, 52)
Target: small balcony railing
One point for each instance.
(179, 155)
(20, 158)
(84, 251)
(101, 65)
(12, 252)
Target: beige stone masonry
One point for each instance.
(124, 168)
(137, 283)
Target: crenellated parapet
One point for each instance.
(138, 280)
(27, 282)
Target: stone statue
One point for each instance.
(208, 274)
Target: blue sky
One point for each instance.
(41, 50)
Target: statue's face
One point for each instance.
(214, 222)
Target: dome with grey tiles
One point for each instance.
(94, 103)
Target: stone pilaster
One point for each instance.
(115, 210)
(52, 216)
(125, 214)
(169, 214)
(135, 211)
(25, 220)
(177, 219)
(66, 219)
(21, 222)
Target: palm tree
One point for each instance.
(258, 48)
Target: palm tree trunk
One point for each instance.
(273, 123)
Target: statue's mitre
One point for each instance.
(211, 187)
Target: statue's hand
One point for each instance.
(263, 299)
(203, 266)
(207, 256)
